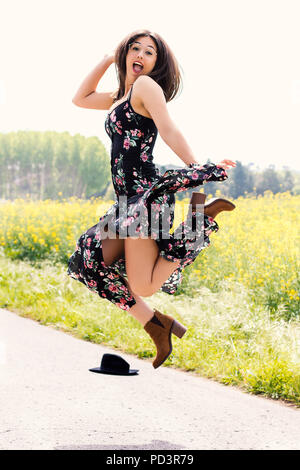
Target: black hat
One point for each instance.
(115, 365)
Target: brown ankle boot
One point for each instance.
(216, 205)
(160, 328)
(197, 198)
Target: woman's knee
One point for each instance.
(142, 289)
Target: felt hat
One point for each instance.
(114, 365)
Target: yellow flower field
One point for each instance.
(257, 244)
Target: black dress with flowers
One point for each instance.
(137, 180)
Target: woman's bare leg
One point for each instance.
(146, 270)
(113, 249)
(140, 311)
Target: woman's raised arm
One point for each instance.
(87, 96)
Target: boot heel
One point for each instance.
(178, 329)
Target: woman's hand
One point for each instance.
(225, 164)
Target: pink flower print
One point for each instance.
(128, 115)
(92, 283)
(123, 307)
(126, 143)
(143, 145)
(88, 242)
(155, 206)
(118, 123)
(128, 221)
(195, 175)
(140, 190)
(144, 157)
(88, 253)
(126, 106)
(113, 116)
(134, 132)
(113, 288)
(139, 134)
(116, 160)
(150, 140)
(112, 276)
(101, 273)
(186, 180)
(89, 264)
(119, 131)
(169, 246)
(134, 173)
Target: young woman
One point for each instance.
(124, 269)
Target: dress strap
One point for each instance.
(129, 96)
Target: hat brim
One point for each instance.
(98, 370)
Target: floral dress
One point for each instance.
(145, 191)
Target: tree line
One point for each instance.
(49, 165)
(44, 165)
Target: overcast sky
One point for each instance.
(241, 83)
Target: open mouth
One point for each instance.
(137, 68)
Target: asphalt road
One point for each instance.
(50, 400)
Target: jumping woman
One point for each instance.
(125, 269)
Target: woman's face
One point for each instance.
(142, 51)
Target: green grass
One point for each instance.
(229, 339)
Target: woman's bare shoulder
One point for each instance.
(144, 82)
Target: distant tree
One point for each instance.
(241, 180)
(43, 164)
(268, 181)
(287, 182)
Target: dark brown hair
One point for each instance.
(165, 72)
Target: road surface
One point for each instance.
(50, 400)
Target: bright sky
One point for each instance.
(241, 84)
